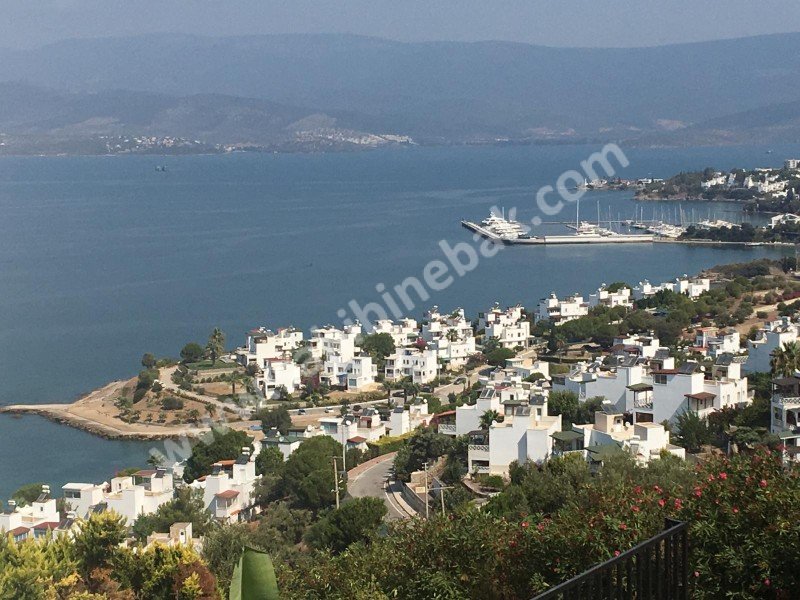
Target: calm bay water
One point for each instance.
(103, 258)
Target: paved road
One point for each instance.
(372, 483)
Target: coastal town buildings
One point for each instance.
(356, 374)
(643, 441)
(712, 341)
(276, 375)
(509, 327)
(772, 336)
(783, 219)
(422, 366)
(330, 341)
(38, 519)
(691, 287)
(264, 344)
(354, 431)
(404, 333)
(229, 491)
(404, 419)
(785, 415)
(139, 494)
(450, 336)
(611, 298)
(561, 310)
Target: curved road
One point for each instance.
(374, 482)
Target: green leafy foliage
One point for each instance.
(308, 473)
(424, 445)
(224, 445)
(186, 507)
(356, 521)
(277, 417)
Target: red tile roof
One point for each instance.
(19, 531)
(47, 525)
(357, 439)
(227, 494)
(701, 396)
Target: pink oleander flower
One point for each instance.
(661, 502)
(762, 483)
(723, 475)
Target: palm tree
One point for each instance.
(452, 335)
(489, 417)
(785, 361)
(216, 344)
(236, 376)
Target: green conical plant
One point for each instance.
(254, 577)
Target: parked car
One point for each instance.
(301, 411)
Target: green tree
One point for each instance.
(277, 417)
(97, 542)
(215, 346)
(148, 360)
(308, 474)
(487, 418)
(186, 507)
(785, 360)
(426, 444)
(356, 521)
(692, 431)
(269, 461)
(192, 352)
(224, 445)
(378, 345)
(222, 546)
(27, 494)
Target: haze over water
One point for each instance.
(103, 258)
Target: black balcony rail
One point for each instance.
(657, 569)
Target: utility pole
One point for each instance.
(427, 509)
(336, 481)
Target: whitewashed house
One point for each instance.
(525, 435)
(712, 342)
(421, 366)
(404, 333)
(785, 415)
(644, 441)
(509, 327)
(681, 285)
(264, 344)
(616, 380)
(277, 373)
(404, 419)
(450, 336)
(329, 341)
(38, 519)
(560, 311)
(356, 374)
(690, 388)
(229, 491)
(140, 494)
(772, 336)
(611, 299)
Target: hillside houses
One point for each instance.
(509, 327)
(772, 336)
(450, 336)
(263, 344)
(559, 310)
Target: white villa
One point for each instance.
(508, 326)
(682, 285)
(229, 491)
(140, 494)
(713, 342)
(403, 419)
(354, 431)
(524, 435)
(421, 366)
(263, 344)
(36, 520)
(785, 415)
(784, 219)
(277, 373)
(560, 311)
(772, 336)
(356, 374)
(404, 333)
(450, 336)
(329, 341)
(644, 441)
(603, 297)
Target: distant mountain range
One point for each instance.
(287, 91)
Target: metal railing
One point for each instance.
(478, 447)
(447, 428)
(656, 569)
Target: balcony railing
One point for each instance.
(447, 428)
(655, 569)
(478, 448)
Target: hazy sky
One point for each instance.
(25, 23)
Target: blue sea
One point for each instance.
(105, 258)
